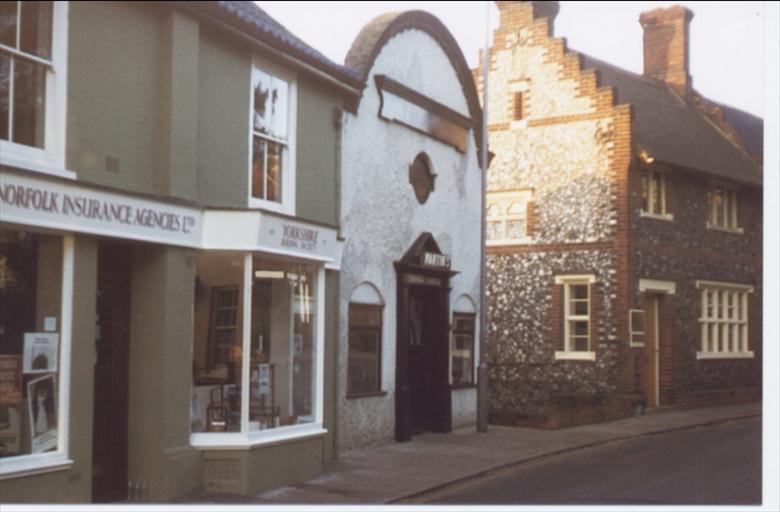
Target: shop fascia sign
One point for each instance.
(270, 232)
(29, 200)
(32, 201)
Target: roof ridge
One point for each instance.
(631, 74)
(733, 138)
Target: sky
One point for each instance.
(726, 37)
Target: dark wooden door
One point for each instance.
(112, 333)
(428, 362)
(418, 381)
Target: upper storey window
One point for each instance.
(272, 180)
(654, 194)
(507, 217)
(723, 209)
(33, 45)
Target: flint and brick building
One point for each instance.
(624, 229)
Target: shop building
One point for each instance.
(410, 217)
(624, 229)
(169, 253)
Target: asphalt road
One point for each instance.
(717, 464)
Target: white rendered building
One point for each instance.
(410, 218)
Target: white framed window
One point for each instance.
(272, 129)
(258, 350)
(463, 330)
(653, 188)
(723, 209)
(33, 87)
(576, 317)
(724, 320)
(507, 217)
(636, 327)
(36, 291)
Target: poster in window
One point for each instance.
(264, 376)
(297, 344)
(10, 423)
(10, 379)
(42, 404)
(40, 352)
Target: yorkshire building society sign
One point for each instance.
(32, 201)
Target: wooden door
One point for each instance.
(651, 351)
(112, 336)
(428, 361)
(418, 377)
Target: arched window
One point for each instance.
(364, 360)
(463, 329)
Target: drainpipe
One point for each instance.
(338, 124)
(482, 373)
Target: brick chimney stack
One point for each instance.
(514, 13)
(666, 53)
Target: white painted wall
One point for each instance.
(381, 218)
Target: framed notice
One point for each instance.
(264, 375)
(10, 379)
(42, 406)
(40, 352)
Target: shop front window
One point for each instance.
(217, 343)
(256, 330)
(282, 365)
(31, 361)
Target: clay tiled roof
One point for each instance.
(677, 132)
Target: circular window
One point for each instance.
(421, 177)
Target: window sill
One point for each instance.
(656, 216)
(637, 345)
(509, 241)
(28, 465)
(733, 231)
(367, 394)
(270, 437)
(574, 356)
(272, 206)
(725, 355)
(31, 159)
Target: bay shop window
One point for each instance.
(36, 276)
(257, 349)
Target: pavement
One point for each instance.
(430, 463)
